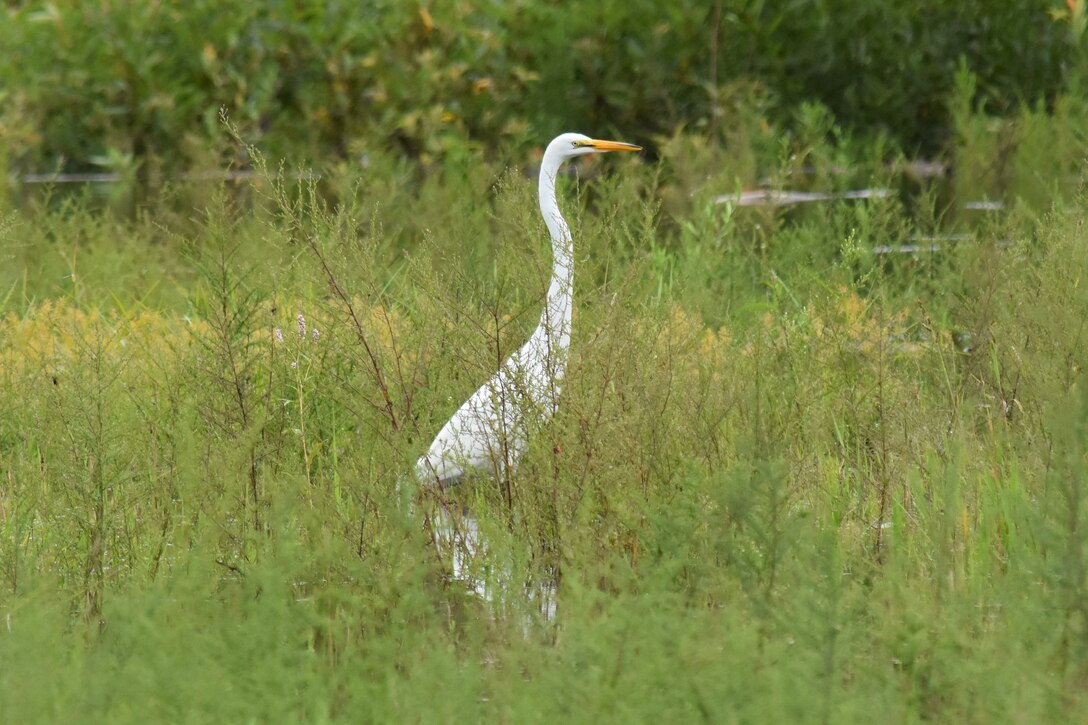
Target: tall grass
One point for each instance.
(790, 479)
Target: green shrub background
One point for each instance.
(90, 83)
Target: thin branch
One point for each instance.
(338, 290)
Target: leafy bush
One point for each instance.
(90, 83)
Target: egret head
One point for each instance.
(568, 145)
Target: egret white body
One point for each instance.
(490, 431)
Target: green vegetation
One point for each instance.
(793, 478)
(92, 85)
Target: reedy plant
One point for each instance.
(796, 494)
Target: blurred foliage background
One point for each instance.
(92, 84)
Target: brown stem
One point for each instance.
(379, 378)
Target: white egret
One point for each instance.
(489, 432)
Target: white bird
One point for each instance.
(489, 432)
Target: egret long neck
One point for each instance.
(556, 318)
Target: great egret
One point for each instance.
(489, 432)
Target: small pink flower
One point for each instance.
(301, 325)
(278, 334)
(315, 334)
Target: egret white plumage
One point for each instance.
(489, 432)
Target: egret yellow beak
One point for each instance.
(611, 145)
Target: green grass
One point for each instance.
(790, 479)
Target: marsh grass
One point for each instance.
(790, 480)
